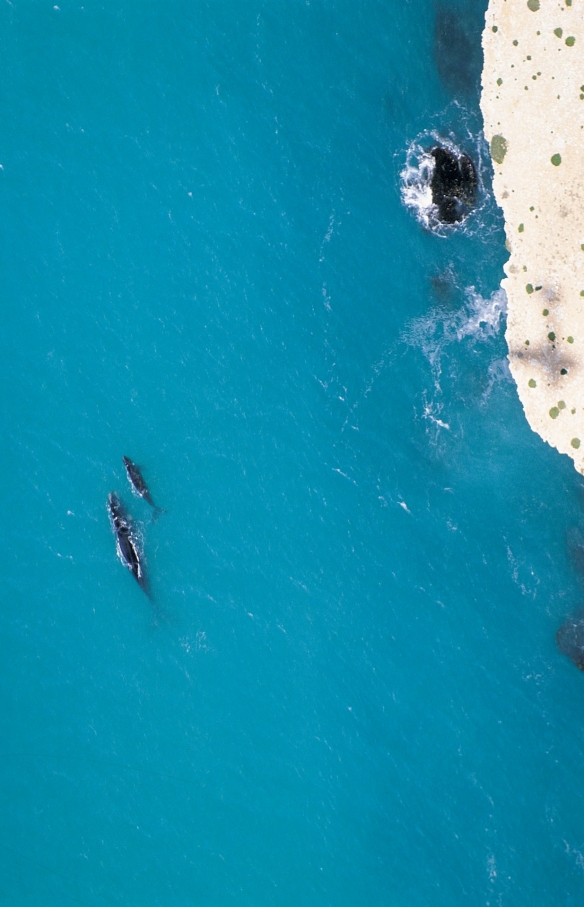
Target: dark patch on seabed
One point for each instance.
(444, 288)
(575, 546)
(570, 636)
(570, 640)
(458, 29)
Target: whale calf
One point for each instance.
(126, 545)
(139, 486)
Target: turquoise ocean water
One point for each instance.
(345, 690)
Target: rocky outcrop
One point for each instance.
(454, 184)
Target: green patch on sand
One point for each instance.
(498, 148)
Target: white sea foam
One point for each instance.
(416, 191)
(479, 319)
(416, 177)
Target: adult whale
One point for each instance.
(126, 542)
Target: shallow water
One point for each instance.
(346, 689)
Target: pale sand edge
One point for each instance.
(527, 65)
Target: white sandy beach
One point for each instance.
(533, 108)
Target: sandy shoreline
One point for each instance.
(533, 109)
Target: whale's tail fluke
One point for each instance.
(158, 511)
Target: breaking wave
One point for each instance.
(479, 319)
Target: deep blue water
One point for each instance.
(346, 689)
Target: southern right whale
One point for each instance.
(138, 483)
(126, 541)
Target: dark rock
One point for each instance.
(454, 183)
(570, 640)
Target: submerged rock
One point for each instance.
(457, 46)
(575, 547)
(570, 640)
(454, 184)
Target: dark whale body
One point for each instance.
(454, 184)
(136, 480)
(126, 540)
